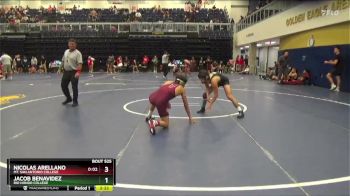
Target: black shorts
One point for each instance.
(336, 71)
(223, 81)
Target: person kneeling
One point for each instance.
(160, 100)
(304, 79)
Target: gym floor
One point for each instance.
(294, 140)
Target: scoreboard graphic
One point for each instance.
(96, 174)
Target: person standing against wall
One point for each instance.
(72, 63)
(337, 70)
(283, 66)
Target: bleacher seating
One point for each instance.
(122, 15)
(130, 39)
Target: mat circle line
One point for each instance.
(125, 107)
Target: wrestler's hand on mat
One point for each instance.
(192, 121)
(210, 103)
(209, 106)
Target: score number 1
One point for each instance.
(106, 171)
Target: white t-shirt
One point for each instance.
(5, 59)
(165, 59)
(71, 60)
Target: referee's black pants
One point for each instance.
(165, 69)
(69, 76)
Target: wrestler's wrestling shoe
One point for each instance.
(149, 118)
(201, 111)
(152, 126)
(240, 114)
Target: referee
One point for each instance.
(72, 64)
(165, 62)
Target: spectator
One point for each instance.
(304, 79)
(126, 63)
(271, 72)
(230, 66)
(18, 62)
(33, 64)
(25, 64)
(110, 64)
(208, 63)
(90, 63)
(18, 14)
(6, 62)
(293, 74)
(134, 66)
(211, 25)
(42, 62)
(155, 63)
(238, 63)
(174, 66)
(138, 16)
(276, 68)
(118, 64)
(13, 66)
(201, 64)
(246, 60)
(337, 70)
(114, 29)
(1, 72)
(49, 9)
(220, 67)
(214, 67)
(93, 16)
(145, 60)
(165, 62)
(245, 70)
(187, 7)
(187, 66)
(241, 63)
(193, 64)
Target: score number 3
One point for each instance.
(106, 170)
